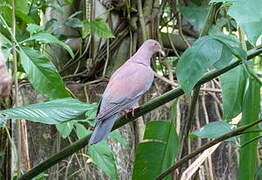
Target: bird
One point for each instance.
(125, 87)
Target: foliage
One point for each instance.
(216, 50)
(213, 130)
(158, 150)
(51, 112)
(248, 160)
(103, 157)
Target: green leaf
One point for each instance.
(34, 28)
(213, 50)
(233, 86)
(103, 158)
(65, 129)
(158, 152)
(250, 112)
(213, 130)
(41, 176)
(196, 15)
(22, 5)
(81, 131)
(74, 22)
(258, 175)
(118, 137)
(42, 74)
(49, 38)
(2, 154)
(215, 1)
(24, 17)
(251, 20)
(97, 27)
(51, 112)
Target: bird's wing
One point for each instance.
(124, 89)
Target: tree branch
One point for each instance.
(153, 104)
(233, 133)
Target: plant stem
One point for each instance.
(233, 133)
(153, 104)
(142, 20)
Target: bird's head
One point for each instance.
(154, 46)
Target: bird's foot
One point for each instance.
(132, 110)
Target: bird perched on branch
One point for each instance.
(127, 84)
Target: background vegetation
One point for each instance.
(199, 120)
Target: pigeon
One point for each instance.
(127, 84)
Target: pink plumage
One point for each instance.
(127, 84)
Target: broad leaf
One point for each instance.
(248, 154)
(97, 27)
(158, 152)
(196, 15)
(65, 128)
(42, 74)
(81, 130)
(213, 130)
(233, 86)
(102, 156)
(213, 50)
(251, 20)
(49, 38)
(51, 112)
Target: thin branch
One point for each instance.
(153, 104)
(142, 20)
(189, 121)
(233, 133)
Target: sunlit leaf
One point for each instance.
(49, 38)
(51, 112)
(251, 20)
(42, 74)
(213, 130)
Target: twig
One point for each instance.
(233, 133)
(142, 20)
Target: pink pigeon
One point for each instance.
(127, 84)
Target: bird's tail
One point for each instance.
(102, 129)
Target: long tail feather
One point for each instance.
(102, 129)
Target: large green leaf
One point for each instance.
(233, 86)
(250, 112)
(42, 74)
(158, 152)
(205, 52)
(196, 15)
(213, 130)
(49, 38)
(251, 19)
(51, 112)
(102, 155)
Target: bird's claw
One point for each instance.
(132, 110)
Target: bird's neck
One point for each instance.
(143, 56)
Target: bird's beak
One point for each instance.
(162, 52)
